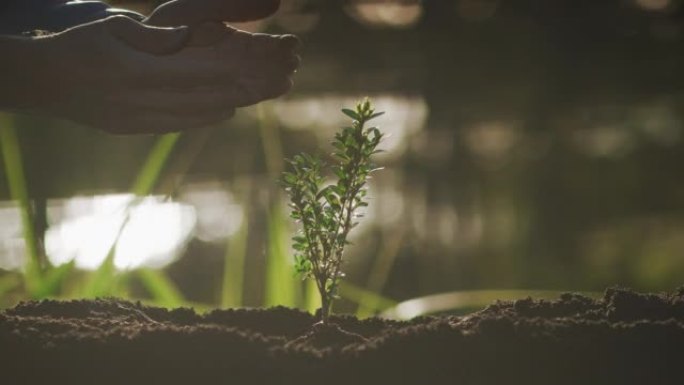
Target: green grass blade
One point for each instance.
(163, 290)
(103, 281)
(53, 280)
(156, 160)
(16, 179)
(8, 283)
(270, 140)
(365, 297)
(281, 282)
(312, 299)
(380, 271)
(234, 267)
(194, 143)
(469, 300)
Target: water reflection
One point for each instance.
(659, 123)
(391, 13)
(219, 215)
(12, 245)
(147, 233)
(654, 5)
(492, 141)
(604, 141)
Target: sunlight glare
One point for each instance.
(605, 141)
(492, 141)
(153, 235)
(405, 116)
(12, 245)
(653, 5)
(219, 215)
(395, 14)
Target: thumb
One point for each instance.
(191, 12)
(152, 40)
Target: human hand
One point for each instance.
(261, 64)
(123, 77)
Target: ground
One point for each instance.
(623, 338)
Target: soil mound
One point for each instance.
(623, 338)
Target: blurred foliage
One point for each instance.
(550, 157)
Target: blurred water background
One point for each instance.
(534, 145)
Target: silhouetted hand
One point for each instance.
(121, 76)
(124, 76)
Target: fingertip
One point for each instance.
(209, 33)
(119, 24)
(282, 87)
(292, 63)
(291, 42)
(182, 32)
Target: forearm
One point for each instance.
(24, 80)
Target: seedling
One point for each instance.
(328, 213)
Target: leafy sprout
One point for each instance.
(328, 213)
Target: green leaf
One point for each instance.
(163, 291)
(350, 113)
(322, 210)
(289, 178)
(375, 115)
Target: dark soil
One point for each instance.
(624, 338)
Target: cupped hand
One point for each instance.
(123, 77)
(258, 66)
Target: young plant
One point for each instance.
(328, 213)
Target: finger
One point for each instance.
(223, 63)
(290, 42)
(265, 45)
(156, 123)
(260, 54)
(269, 70)
(151, 40)
(191, 12)
(197, 100)
(209, 33)
(206, 100)
(247, 94)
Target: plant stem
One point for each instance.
(345, 216)
(325, 307)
